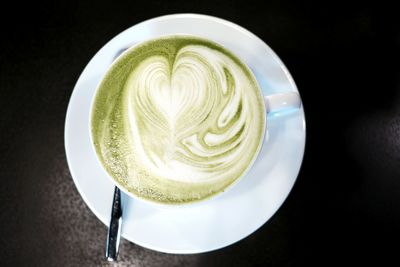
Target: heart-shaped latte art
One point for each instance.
(178, 119)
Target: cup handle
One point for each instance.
(282, 102)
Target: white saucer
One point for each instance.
(226, 219)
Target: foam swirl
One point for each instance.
(177, 119)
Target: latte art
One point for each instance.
(177, 119)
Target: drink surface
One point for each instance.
(177, 119)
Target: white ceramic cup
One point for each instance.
(278, 103)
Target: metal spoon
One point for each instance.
(114, 229)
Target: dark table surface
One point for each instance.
(345, 205)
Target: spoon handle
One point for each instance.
(114, 229)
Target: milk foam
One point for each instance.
(178, 119)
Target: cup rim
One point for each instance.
(207, 199)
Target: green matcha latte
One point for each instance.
(177, 119)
